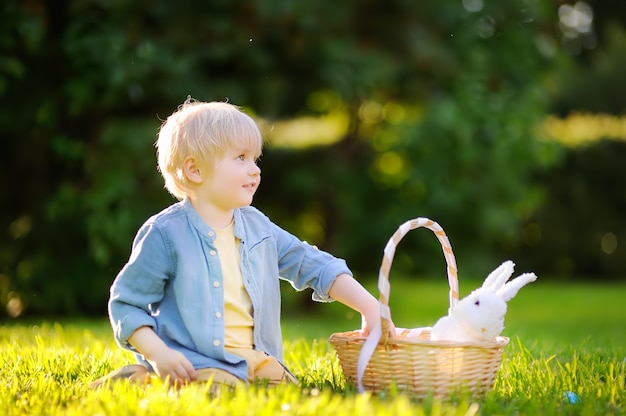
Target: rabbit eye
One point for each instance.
(477, 303)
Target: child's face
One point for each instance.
(234, 180)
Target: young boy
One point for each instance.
(199, 297)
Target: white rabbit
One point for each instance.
(480, 315)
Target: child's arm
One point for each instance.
(165, 361)
(348, 291)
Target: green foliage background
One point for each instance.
(443, 99)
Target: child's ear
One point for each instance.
(191, 170)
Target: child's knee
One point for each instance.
(217, 376)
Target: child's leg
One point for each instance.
(263, 367)
(218, 377)
(271, 370)
(135, 373)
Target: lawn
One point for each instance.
(566, 339)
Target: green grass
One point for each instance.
(564, 337)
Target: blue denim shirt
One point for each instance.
(173, 283)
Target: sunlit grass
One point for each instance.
(564, 338)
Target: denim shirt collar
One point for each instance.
(202, 227)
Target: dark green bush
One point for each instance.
(579, 231)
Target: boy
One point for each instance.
(199, 297)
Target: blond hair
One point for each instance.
(203, 130)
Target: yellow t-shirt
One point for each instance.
(238, 322)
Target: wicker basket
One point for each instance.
(411, 361)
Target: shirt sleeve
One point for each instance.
(305, 266)
(139, 286)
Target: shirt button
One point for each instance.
(216, 284)
(213, 252)
(216, 342)
(211, 233)
(218, 315)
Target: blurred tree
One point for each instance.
(442, 98)
(449, 134)
(596, 83)
(579, 229)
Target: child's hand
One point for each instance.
(370, 318)
(167, 363)
(350, 292)
(173, 365)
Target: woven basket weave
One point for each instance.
(411, 361)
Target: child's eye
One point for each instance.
(241, 157)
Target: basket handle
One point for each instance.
(390, 249)
(380, 333)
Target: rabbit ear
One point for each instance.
(499, 276)
(510, 289)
